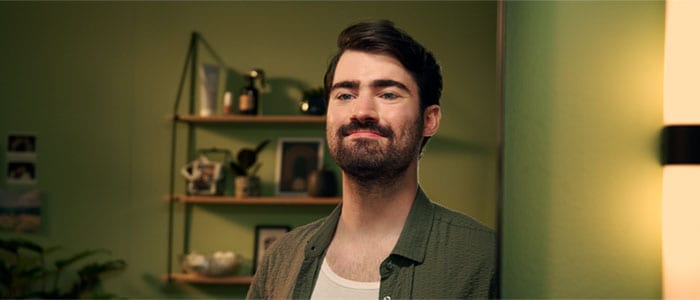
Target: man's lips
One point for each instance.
(369, 130)
(364, 133)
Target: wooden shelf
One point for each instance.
(250, 119)
(194, 278)
(257, 200)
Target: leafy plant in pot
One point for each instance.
(25, 272)
(245, 168)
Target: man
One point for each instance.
(387, 239)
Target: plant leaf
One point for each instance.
(97, 268)
(261, 146)
(246, 158)
(62, 263)
(237, 169)
(13, 245)
(254, 169)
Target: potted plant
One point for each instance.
(245, 168)
(25, 272)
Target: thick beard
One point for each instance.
(369, 164)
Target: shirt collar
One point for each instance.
(412, 242)
(319, 242)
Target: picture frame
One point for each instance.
(203, 176)
(21, 155)
(21, 172)
(265, 236)
(21, 146)
(296, 159)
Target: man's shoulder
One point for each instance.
(447, 215)
(298, 237)
(459, 223)
(305, 232)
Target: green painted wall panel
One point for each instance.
(583, 110)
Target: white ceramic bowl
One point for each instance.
(220, 263)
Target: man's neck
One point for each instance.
(370, 224)
(370, 210)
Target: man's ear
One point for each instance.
(431, 120)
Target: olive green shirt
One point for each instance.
(440, 254)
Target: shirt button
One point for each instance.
(386, 298)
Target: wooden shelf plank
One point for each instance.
(251, 119)
(194, 278)
(257, 200)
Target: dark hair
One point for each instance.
(383, 37)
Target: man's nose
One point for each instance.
(365, 109)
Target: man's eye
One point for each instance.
(344, 97)
(388, 96)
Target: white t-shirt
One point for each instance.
(331, 286)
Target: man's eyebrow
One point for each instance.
(346, 84)
(381, 83)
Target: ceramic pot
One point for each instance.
(247, 186)
(322, 183)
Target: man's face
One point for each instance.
(374, 126)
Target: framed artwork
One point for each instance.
(21, 145)
(21, 172)
(20, 210)
(265, 236)
(21, 154)
(296, 158)
(203, 176)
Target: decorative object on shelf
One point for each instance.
(228, 102)
(265, 236)
(209, 87)
(249, 98)
(220, 263)
(247, 186)
(322, 183)
(296, 158)
(313, 102)
(245, 167)
(206, 177)
(202, 176)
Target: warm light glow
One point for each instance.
(681, 236)
(682, 64)
(681, 186)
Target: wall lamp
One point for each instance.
(681, 145)
(681, 152)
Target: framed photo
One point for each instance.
(21, 146)
(20, 210)
(296, 158)
(20, 172)
(265, 236)
(202, 176)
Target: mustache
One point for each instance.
(355, 125)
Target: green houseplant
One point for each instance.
(25, 273)
(245, 167)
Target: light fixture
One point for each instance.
(681, 152)
(681, 145)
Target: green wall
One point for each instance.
(95, 82)
(582, 185)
